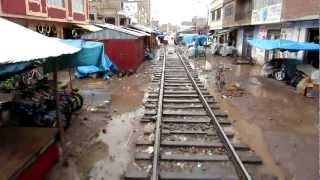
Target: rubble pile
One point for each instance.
(233, 90)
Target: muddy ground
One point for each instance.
(99, 143)
(279, 124)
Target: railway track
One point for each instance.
(185, 135)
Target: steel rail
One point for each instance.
(240, 168)
(156, 148)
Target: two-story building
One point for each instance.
(215, 23)
(107, 11)
(265, 19)
(53, 18)
(287, 19)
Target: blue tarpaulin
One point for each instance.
(188, 38)
(90, 59)
(198, 39)
(283, 44)
(11, 69)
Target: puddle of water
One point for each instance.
(118, 136)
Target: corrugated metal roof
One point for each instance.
(20, 44)
(135, 30)
(89, 27)
(120, 29)
(142, 28)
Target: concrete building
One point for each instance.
(107, 11)
(169, 28)
(287, 19)
(144, 12)
(217, 14)
(155, 24)
(54, 18)
(200, 24)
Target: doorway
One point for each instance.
(272, 34)
(312, 57)
(246, 49)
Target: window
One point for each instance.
(91, 17)
(258, 4)
(213, 15)
(123, 21)
(228, 11)
(218, 17)
(110, 20)
(99, 17)
(78, 5)
(59, 3)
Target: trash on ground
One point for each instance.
(233, 90)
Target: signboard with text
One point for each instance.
(268, 14)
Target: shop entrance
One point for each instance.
(312, 57)
(246, 50)
(272, 34)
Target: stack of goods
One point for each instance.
(35, 106)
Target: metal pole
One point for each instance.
(59, 123)
(70, 78)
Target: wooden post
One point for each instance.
(70, 78)
(59, 123)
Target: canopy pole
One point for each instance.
(70, 79)
(59, 123)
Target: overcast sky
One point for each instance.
(175, 11)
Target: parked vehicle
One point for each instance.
(280, 69)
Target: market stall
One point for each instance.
(31, 117)
(124, 47)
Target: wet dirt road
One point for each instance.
(279, 124)
(98, 144)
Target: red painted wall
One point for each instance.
(56, 13)
(42, 165)
(70, 8)
(44, 6)
(34, 7)
(14, 7)
(79, 17)
(127, 54)
(18, 7)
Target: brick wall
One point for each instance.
(295, 9)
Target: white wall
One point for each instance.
(216, 4)
(260, 32)
(239, 41)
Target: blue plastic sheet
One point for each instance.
(188, 38)
(198, 39)
(283, 44)
(11, 69)
(89, 60)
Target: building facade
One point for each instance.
(217, 14)
(265, 19)
(200, 25)
(143, 15)
(108, 11)
(50, 17)
(120, 12)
